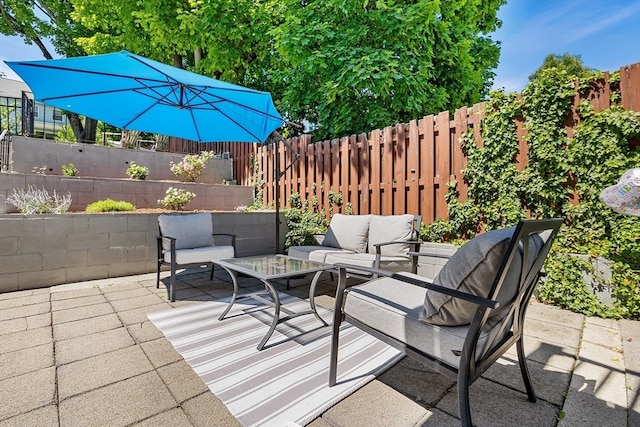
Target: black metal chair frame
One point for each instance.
(470, 367)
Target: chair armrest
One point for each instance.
(232, 237)
(397, 242)
(425, 284)
(172, 244)
(430, 254)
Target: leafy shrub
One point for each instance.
(137, 172)
(191, 166)
(69, 170)
(176, 198)
(38, 201)
(109, 205)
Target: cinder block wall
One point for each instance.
(38, 251)
(106, 162)
(143, 194)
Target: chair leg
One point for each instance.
(172, 282)
(213, 266)
(525, 371)
(337, 319)
(463, 401)
(158, 276)
(333, 362)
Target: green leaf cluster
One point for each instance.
(109, 205)
(563, 178)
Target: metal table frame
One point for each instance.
(268, 268)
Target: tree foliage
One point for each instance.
(346, 66)
(358, 65)
(570, 64)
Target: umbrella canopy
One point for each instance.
(624, 196)
(132, 92)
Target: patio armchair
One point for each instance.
(463, 321)
(188, 240)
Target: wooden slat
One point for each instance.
(458, 159)
(375, 140)
(400, 171)
(427, 169)
(354, 175)
(387, 171)
(630, 87)
(365, 171)
(443, 163)
(345, 169)
(413, 153)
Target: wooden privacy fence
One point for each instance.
(399, 169)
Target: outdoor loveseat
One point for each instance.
(371, 241)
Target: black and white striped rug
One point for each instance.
(285, 384)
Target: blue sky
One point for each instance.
(605, 33)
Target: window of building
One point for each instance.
(36, 111)
(57, 115)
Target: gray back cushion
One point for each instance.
(390, 228)
(189, 230)
(473, 269)
(348, 232)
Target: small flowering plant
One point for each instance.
(190, 168)
(137, 172)
(176, 198)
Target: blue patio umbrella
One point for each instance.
(132, 92)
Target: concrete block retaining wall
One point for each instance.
(38, 251)
(143, 194)
(104, 162)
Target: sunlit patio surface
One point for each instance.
(85, 354)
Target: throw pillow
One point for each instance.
(348, 232)
(473, 269)
(390, 228)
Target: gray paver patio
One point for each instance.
(86, 354)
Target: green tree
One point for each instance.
(353, 66)
(39, 20)
(572, 65)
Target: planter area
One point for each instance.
(143, 194)
(38, 251)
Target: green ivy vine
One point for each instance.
(560, 167)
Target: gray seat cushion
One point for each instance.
(389, 263)
(473, 269)
(394, 307)
(204, 254)
(313, 253)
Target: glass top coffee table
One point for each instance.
(268, 268)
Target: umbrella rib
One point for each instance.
(73, 70)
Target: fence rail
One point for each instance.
(399, 169)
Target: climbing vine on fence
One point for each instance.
(600, 150)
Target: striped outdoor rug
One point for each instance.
(285, 384)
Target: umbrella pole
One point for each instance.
(277, 194)
(278, 174)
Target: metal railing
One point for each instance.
(5, 151)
